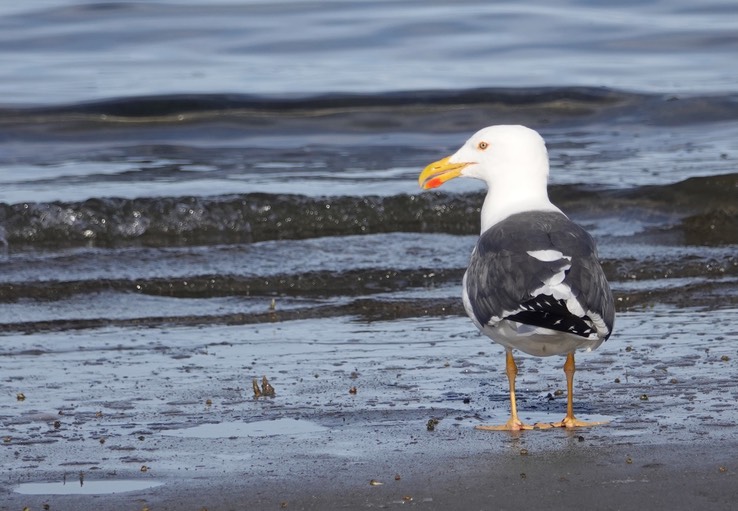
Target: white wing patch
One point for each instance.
(547, 256)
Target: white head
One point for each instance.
(504, 153)
(512, 160)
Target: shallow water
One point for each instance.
(86, 488)
(348, 392)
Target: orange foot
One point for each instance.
(512, 424)
(573, 422)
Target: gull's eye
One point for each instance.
(482, 145)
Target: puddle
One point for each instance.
(249, 429)
(87, 488)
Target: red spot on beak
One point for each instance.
(434, 183)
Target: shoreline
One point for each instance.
(176, 406)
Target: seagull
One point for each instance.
(534, 281)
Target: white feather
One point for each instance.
(548, 256)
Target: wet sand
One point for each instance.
(176, 406)
(564, 475)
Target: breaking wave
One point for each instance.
(697, 205)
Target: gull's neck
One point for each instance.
(514, 194)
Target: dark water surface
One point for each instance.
(181, 178)
(232, 203)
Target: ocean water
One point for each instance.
(250, 151)
(172, 170)
(146, 146)
(63, 51)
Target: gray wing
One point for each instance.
(502, 276)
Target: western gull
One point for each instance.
(534, 282)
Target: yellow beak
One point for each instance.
(438, 172)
